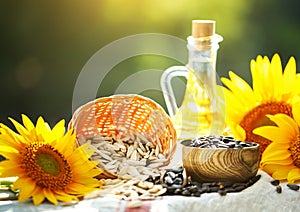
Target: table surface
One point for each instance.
(261, 196)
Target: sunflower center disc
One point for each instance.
(295, 151)
(257, 117)
(48, 163)
(46, 166)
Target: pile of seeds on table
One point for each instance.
(168, 182)
(213, 141)
(175, 184)
(134, 189)
(276, 183)
(127, 157)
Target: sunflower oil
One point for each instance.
(201, 111)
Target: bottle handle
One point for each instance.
(165, 82)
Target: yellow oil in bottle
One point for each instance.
(194, 117)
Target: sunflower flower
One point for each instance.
(281, 159)
(273, 91)
(46, 162)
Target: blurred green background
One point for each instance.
(45, 44)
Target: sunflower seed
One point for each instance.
(293, 187)
(141, 152)
(134, 155)
(278, 189)
(135, 204)
(142, 147)
(145, 185)
(160, 146)
(155, 189)
(104, 155)
(133, 171)
(275, 182)
(136, 163)
(123, 171)
(157, 150)
(150, 145)
(134, 195)
(129, 151)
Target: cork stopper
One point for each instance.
(203, 28)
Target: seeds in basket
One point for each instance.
(126, 158)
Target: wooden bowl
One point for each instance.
(220, 164)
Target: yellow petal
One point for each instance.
(267, 82)
(41, 127)
(9, 153)
(58, 130)
(84, 151)
(75, 188)
(276, 76)
(297, 83)
(22, 130)
(289, 76)
(87, 176)
(18, 183)
(66, 144)
(62, 196)
(38, 197)
(10, 171)
(277, 154)
(261, 81)
(256, 79)
(10, 138)
(274, 134)
(83, 169)
(65, 198)
(27, 123)
(278, 172)
(240, 89)
(294, 175)
(26, 189)
(10, 168)
(50, 196)
(289, 161)
(234, 103)
(240, 133)
(296, 113)
(285, 122)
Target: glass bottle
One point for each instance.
(200, 112)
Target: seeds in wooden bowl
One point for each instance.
(220, 158)
(213, 141)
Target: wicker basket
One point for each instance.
(124, 115)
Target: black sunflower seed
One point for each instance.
(293, 187)
(278, 189)
(275, 182)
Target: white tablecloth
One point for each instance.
(262, 196)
